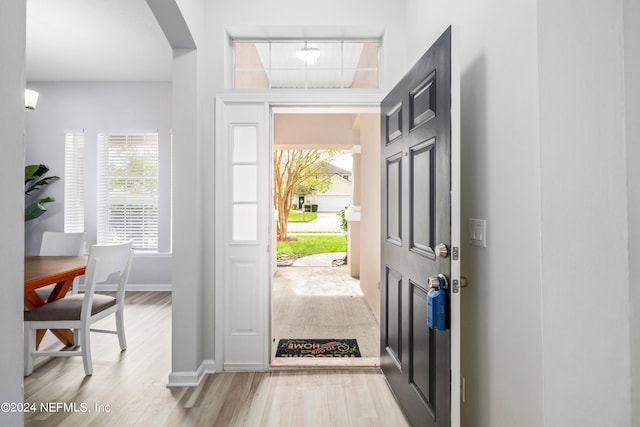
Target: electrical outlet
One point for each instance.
(477, 232)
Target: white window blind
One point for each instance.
(128, 188)
(74, 182)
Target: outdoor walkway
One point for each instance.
(326, 221)
(323, 302)
(319, 260)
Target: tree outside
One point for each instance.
(297, 172)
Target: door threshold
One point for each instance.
(324, 363)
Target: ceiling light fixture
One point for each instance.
(309, 54)
(30, 99)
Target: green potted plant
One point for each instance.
(344, 224)
(34, 181)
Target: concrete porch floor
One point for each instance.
(316, 300)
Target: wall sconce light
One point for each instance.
(30, 99)
(308, 54)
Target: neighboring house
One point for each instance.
(337, 196)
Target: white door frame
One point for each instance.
(269, 100)
(257, 362)
(317, 99)
(456, 206)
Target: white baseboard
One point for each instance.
(245, 367)
(191, 378)
(133, 287)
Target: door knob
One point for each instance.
(439, 282)
(433, 282)
(441, 250)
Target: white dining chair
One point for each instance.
(79, 311)
(58, 243)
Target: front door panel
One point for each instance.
(416, 216)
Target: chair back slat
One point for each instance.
(56, 243)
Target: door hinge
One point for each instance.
(463, 389)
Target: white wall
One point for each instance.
(189, 321)
(96, 107)
(12, 113)
(501, 320)
(584, 210)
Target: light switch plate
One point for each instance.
(477, 232)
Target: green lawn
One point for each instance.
(309, 245)
(295, 216)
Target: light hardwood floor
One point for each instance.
(129, 388)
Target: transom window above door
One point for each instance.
(306, 64)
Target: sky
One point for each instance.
(344, 161)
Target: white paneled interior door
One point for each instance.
(243, 212)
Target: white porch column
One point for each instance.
(353, 217)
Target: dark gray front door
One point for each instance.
(416, 217)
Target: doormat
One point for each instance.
(318, 348)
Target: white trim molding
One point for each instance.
(456, 304)
(134, 287)
(191, 378)
(322, 98)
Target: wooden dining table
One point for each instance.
(41, 271)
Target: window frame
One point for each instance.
(106, 199)
(305, 67)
